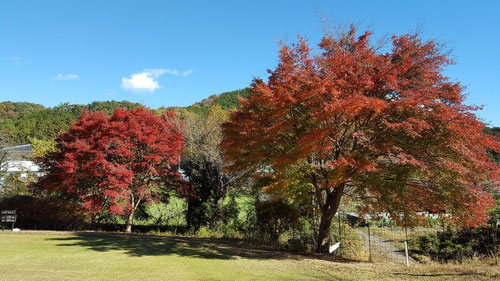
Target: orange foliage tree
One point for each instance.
(389, 128)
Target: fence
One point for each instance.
(379, 242)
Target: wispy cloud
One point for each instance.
(147, 80)
(61, 76)
(171, 71)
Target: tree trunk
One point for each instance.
(327, 212)
(189, 214)
(220, 210)
(129, 221)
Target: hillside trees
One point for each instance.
(35, 121)
(226, 101)
(388, 129)
(116, 162)
(43, 124)
(11, 110)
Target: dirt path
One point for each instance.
(380, 247)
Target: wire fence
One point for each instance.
(378, 242)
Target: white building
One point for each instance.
(24, 166)
(18, 160)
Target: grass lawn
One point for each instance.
(94, 256)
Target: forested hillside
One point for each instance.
(45, 123)
(12, 110)
(495, 131)
(22, 120)
(226, 100)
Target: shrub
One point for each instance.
(297, 245)
(386, 222)
(171, 213)
(218, 231)
(230, 209)
(46, 213)
(494, 214)
(275, 216)
(303, 236)
(457, 245)
(17, 183)
(204, 231)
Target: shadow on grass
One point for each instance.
(205, 248)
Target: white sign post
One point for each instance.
(406, 254)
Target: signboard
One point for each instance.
(8, 216)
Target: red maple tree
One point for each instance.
(116, 162)
(387, 128)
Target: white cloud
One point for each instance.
(187, 72)
(144, 81)
(61, 76)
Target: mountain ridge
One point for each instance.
(22, 121)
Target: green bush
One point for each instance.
(386, 222)
(494, 214)
(302, 237)
(205, 231)
(239, 215)
(275, 217)
(457, 245)
(297, 245)
(171, 213)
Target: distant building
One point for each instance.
(19, 152)
(19, 160)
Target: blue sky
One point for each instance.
(164, 53)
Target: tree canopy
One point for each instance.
(204, 165)
(116, 162)
(385, 128)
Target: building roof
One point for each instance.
(18, 152)
(19, 148)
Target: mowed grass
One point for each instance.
(96, 256)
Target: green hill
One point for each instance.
(12, 110)
(46, 123)
(22, 121)
(226, 100)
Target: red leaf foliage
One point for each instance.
(389, 128)
(116, 162)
